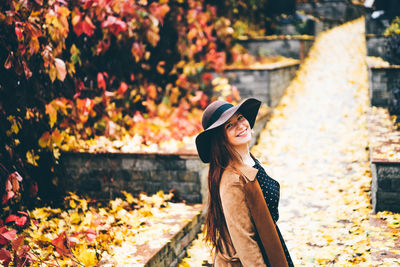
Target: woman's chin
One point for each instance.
(243, 140)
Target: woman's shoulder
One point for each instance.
(229, 177)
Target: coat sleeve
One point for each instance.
(240, 225)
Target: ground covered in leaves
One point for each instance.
(316, 146)
(123, 232)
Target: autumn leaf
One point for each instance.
(56, 137)
(114, 24)
(8, 63)
(137, 51)
(11, 218)
(152, 36)
(27, 71)
(21, 221)
(7, 196)
(87, 256)
(18, 32)
(151, 91)
(52, 112)
(7, 235)
(101, 83)
(44, 140)
(62, 244)
(5, 257)
(122, 88)
(159, 11)
(31, 158)
(61, 69)
(8, 186)
(160, 67)
(82, 26)
(90, 234)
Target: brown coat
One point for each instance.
(250, 226)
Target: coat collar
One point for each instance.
(247, 171)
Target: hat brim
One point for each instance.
(248, 108)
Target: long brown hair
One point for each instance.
(222, 153)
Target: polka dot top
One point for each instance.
(270, 189)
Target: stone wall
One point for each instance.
(381, 84)
(376, 45)
(104, 175)
(376, 26)
(323, 24)
(385, 187)
(291, 47)
(332, 10)
(175, 250)
(329, 14)
(267, 85)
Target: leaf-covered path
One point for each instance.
(316, 145)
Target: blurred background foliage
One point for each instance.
(74, 71)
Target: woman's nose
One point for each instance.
(240, 125)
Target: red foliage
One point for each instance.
(7, 235)
(5, 256)
(20, 221)
(96, 67)
(62, 244)
(82, 24)
(115, 25)
(101, 83)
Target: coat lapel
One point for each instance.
(262, 218)
(246, 171)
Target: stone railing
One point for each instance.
(104, 175)
(385, 186)
(384, 144)
(174, 249)
(287, 46)
(323, 24)
(329, 14)
(266, 83)
(333, 10)
(382, 81)
(375, 45)
(376, 26)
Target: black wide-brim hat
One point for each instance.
(216, 114)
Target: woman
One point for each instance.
(243, 199)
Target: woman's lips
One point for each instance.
(242, 133)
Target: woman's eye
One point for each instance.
(228, 126)
(240, 117)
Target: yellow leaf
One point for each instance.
(61, 69)
(328, 238)
(31, 158)
(322, 260)
(83, 204)
(72, 204)
(43, 213)
(75, 218)
(52, 112)
(87, 256)
(129, 198)
(52, 73)
(44, 140)
(56, 153)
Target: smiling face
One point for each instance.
(237, 130)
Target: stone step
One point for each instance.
(296, 47)
(384, 148)
(173, 243)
